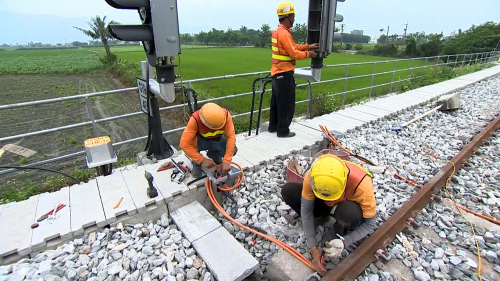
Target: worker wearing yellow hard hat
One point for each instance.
(284, 54)
(339, 188)
(205, 132)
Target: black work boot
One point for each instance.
(196, 171)
(290, 135)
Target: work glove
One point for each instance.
(334, 248)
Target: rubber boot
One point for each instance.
(196, 171)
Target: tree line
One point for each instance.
(476, 39)
(261, 37)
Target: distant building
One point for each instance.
(357, 31)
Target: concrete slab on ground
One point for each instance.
(305, 133)
(373, 111)
(58, 228)
(112, 188)
(347, 122)
(284, 145)
(137, 185)
(253, 157)
(284, 266)
(1, 208)
(245, 165)
(194, 221)
(357, 115)
(226, 258)
(16, 233)
(86, 207)
(386, 105)
(316, 121)
(262, 148)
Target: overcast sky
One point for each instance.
(369, 15)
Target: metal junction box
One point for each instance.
(99, 151)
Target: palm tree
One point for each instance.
(98, 30)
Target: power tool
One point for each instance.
(216, 177)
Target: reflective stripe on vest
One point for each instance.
(204, 131)
(276, 56)
(356, 175)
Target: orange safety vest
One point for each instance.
(276, 55)
(204, 131)
(354, 178)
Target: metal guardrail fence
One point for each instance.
(449, 61)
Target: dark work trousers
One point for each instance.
(282, 103)
(216, 148)
(348, 214)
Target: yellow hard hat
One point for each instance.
(212, 116)
(328, 177)
(286, 8)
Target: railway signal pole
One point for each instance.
(322, 17)
(159, 34)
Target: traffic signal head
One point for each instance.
(159, 34)
(321, 29)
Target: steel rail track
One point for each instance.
(354, 264)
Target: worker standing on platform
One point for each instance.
(205, 131)
(332, 182)
(284, 54)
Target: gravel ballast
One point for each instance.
(417, 152)
(152, 251)
(159, 251)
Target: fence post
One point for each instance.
(91, 116)
(456, 60)
(475, 61)
(309, 104)
(425, 64)
(373, 77)
(463, 60)
(411, 67)
(393, 74)
(345, 84)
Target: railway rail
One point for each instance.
(354, 264)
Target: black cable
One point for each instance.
(195, 180)
(38, 168)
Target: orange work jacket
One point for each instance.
(285, 51)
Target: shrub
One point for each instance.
(358, 47)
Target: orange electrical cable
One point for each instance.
(283, 245)
(491, 219)
(337, 143)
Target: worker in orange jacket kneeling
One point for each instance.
(338, 188)
(205, 131)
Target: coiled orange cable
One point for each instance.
(283, 245)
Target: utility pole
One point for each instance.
(406, 28)
(341, 35)
(387, 35)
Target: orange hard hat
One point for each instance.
(213, 116)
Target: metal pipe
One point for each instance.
(355, 263)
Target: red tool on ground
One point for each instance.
(43, 217)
